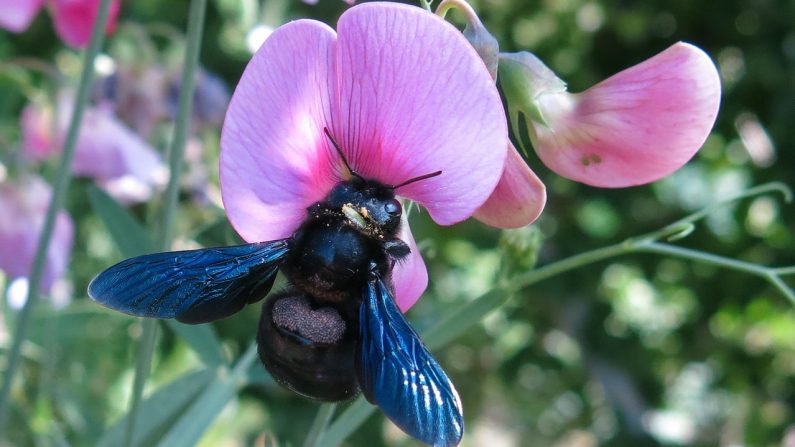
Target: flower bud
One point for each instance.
(524, 78)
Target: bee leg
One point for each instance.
(396, 249)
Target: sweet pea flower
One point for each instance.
(23, 207)
(72, 19)
(16, 15)
(114, 156)
(520, 195)
(37, 124)
(633, 128)
(136, 94)
(403, 94)
(314, 2)
(117, 158)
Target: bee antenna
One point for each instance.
(417, 179)
(341, 154)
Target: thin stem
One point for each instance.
(195, 26)
(60, 185)
(446, 5)
(176, 151)
(426, 5)
(685, 224)
(786, 270)
(573, 262)
(143, 365)
(781, 286)
(770, 274)
(316, 432)
(700, 256)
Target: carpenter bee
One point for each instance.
(336, 329)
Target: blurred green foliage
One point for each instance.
(635, 351)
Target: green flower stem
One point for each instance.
(61, 183)
(198, 9)
(143, 365)
(196, 16)
(769, 274)
(525, 280)
(323, 417)
(425, 4)
(446, 5)
(786, 270)
(470, 314)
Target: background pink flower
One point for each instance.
(107, 151)
(72, 19)
(23, 206)
(36, 123)
(402, 92)
(16, 15)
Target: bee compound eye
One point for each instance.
(393, 208)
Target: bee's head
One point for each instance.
(367, 203)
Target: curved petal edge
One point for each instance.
(518, 199)
(635, 127)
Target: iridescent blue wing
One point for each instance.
(194, 286)
(397, 373)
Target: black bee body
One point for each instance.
(335, 330)
(308, 343)
(353, 230)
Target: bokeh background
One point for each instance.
(634, 351)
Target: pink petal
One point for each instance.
(107, 149)
(274, 159)
(16, 15)
(36, 124)
(409, 276)
(73, 20)
(23, 206)
(635, 127)
(518, 198)
(416, 98)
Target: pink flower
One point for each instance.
(314, 2)
(117, 158)
(107, 151)
(633, 128)
(23, 206)
(403, 94)
(16, 15)
(37, 124)
(72, 19)
(519, 197)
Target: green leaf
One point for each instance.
(160, 409)
(464, 318)
(347, 422)
(323, 417)
(127, 233)
(203, 339)
(194, 421)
